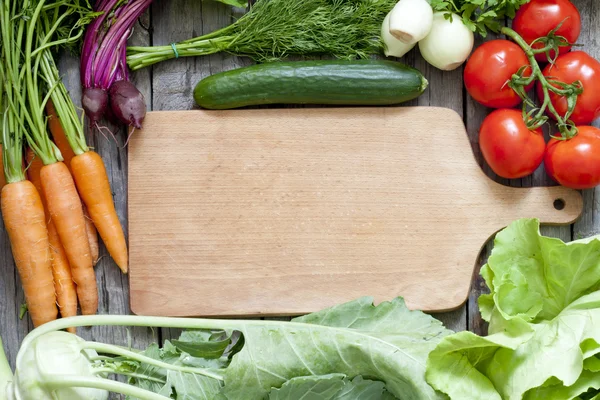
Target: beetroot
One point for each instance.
(103, 64)
(94, 102)
(127, 103)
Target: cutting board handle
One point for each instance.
(554, 205)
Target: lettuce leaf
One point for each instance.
(535, 277)
(544, 314)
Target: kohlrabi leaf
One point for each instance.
(188, 386)
(179, 385)
(202, 344)
(521, 358)
(156, 378)
(324, 387)
(535, 277)
(388, 343)
(364, 389)
(331, 387)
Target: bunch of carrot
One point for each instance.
(49, 193)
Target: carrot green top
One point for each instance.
(31, 30)
(12, 124)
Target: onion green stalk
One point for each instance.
(276, 29)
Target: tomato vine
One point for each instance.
(536, 116)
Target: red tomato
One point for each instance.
(508, 146)
(537, 18)
(489, 69)
(570, 67)
(575, 163)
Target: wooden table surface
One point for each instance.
(169, 86)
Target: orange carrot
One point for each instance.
(58, 134)
(92, 182)
(34, 167)
(66, 211)
(64, 286)
(60, 139)
(66, 293)
(24, 220)
(2, 177)
(92, 235)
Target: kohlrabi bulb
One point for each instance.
(48, 357)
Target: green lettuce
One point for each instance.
(544, 315)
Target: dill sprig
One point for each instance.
(276, 29)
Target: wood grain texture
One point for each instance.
(323, 205)
(166, 87)
(444, 90)
(174, 81)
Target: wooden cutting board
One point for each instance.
(288, 211)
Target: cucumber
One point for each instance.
(365, 82)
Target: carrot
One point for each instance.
(58, 134)
(22, 120)
(92, 233)
(66, 211)
(24, 220)
(91, 180)
(34, 168)
(60, 139)
(64, 286)
(66, 293)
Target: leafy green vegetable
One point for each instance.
(203, 344)
(182, 385)
(331, 387)
(535, 277)
(353, 339)
(544, 314)
(480, 15)
(353, 351)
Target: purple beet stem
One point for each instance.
(109, 54)
(103, 58)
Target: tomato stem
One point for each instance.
(566, 128)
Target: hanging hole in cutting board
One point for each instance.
(559, 204)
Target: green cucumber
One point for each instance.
(366, 82)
